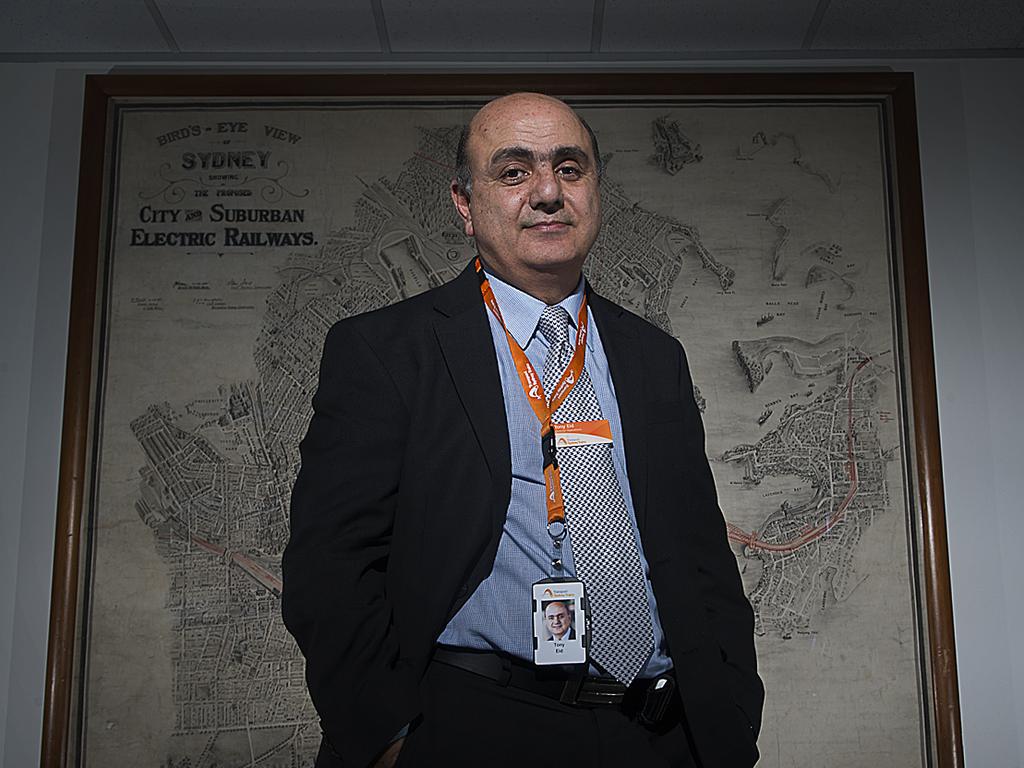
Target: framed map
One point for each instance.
(771, 222)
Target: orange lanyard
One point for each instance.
(534, 389)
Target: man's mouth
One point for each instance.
(548, 226)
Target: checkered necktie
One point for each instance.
(603, 545)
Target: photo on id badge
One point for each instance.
(559, 623)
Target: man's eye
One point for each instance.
(513, 174)
(571, 171)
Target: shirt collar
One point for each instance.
(522, 312)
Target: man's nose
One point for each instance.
(546, 193)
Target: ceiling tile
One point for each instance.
(489, 26)
(638, 26)
(300, 26)
(921, 25)
(78, 26)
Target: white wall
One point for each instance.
(971, 116)
(994, 136)
(37, 213)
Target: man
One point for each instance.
(559, 621)
(422, 512)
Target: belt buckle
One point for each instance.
(592, 691)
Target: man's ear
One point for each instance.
(461, 201)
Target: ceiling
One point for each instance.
(501, 30)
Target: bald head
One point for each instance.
(527, 192)
(515, 102)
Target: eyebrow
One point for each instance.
(566, 152)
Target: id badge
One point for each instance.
(560, 622)
(571, 433)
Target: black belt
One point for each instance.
(646, 698)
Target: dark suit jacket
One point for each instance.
(399, 504)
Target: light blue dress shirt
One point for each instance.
(497, 616)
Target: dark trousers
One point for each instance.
(471, 721)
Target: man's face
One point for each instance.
(534, 204)
(557, 617)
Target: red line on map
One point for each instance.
(447, 166)
(740, 536)
(246, 563)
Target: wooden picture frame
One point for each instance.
(893, 93)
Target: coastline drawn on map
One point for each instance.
(673, 149)
(761, 141)
(242, 235)
(831, 443)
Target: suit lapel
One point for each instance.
(627, 369)
(464, 336)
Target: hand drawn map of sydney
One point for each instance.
(757, 234)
